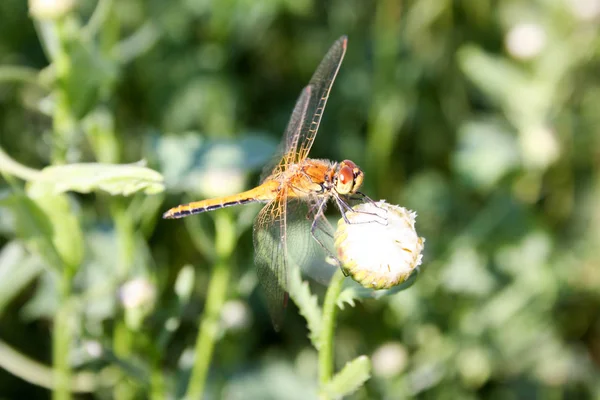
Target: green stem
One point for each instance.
(123, 336)
(98, 18)
(63, 122)
(62, 336)
(9, 73)
(157, 384)
(10, 166)
(326, 340)
(41, 375)
(216, 296)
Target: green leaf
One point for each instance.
(34, 226)
(67, 237)
(88, 75)
(116, 179)
(354, 374)
(347, 296)
(496, 76)
(271, 379)
(46, 300)
(17, 270)
(307, 303)
(184, 284)
(353, 291)
(487, 151)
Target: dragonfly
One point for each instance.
(293, 178)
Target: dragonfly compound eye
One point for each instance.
(345, 180)
(350, 177)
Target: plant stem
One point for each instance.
(38, 374)
(217, 292)
(123, 336)
(10, 166)
(9, 73)
(61, 342)
(157, 383)
(326, 340)
(63, 122)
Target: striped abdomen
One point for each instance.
(263, 192)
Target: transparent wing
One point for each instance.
(288, 146)
(309, 236)
(306, 117)
(270, 256)
(321, 83)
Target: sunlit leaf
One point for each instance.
(354, 374)
(66, 232)
(117, 179)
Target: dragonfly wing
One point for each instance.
(288, 146)
(321, 83)
(270, 256)
(322, 243)
(306, 117)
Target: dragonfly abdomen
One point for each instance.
(198, 207)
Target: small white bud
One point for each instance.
(93, 348)
(50, 9)
(235, 315)
(585, 10)
(389, 360)
(136, 293)
(540, 147)
(525, 41)
(378, 246)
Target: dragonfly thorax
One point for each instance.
(349, 178)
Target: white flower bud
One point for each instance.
(585, 10)
(137, 292)
(379, 247)
(235, 315)
(50, 9)
(526, 40)
(389, 360)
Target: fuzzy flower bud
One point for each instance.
(50, 9)
(379, 247)
(138, 297)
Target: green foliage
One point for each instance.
(481, 116)
(84, 178)
(354, 374)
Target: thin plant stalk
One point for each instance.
(328, 326)
(216, 296)
(61, 344)
(63, 121)
(123, 336)
(63, 330)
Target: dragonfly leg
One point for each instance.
(320, 215)
(346, 208)
(368, 200)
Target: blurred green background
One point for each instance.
(480, 115)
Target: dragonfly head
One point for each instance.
(349, 178)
